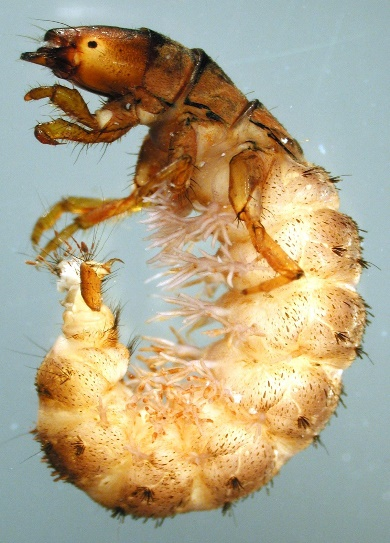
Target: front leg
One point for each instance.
(108, 124)
(68, 100)
(247, 172)
(59, 131)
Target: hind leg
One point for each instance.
(247, 172)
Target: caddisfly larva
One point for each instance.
(199, 427)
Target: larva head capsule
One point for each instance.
(107, 60)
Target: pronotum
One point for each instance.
(198, 427)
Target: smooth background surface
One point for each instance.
(322, 67)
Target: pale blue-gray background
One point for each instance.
(323, 69)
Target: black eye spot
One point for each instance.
(92, 44)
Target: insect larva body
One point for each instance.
(201, 427)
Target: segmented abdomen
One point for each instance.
(205, 426)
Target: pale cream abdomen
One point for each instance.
(206, 426)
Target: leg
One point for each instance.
(151, 171)
(109, 123)
(89, 212)
(68, 100)
(60, 129)
(247, 171)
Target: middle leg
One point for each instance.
(154, 167)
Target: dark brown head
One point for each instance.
(106, 60)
